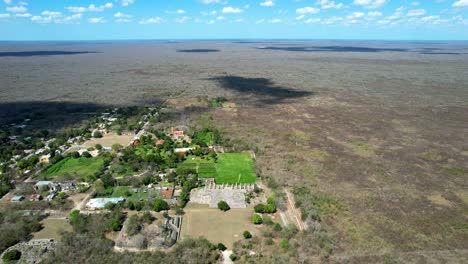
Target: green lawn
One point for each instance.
(205, 167)
(81, 167)
(235, 168)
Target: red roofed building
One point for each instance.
(136, 142)
(160, 142)
(167, 194)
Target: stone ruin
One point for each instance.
(232, 194)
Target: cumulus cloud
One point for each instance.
(179, 11)
(127, 2)
(17, 9)
(51, 13)
(275, 20)
(416, 12)
(182, 19)
(267, 3)
(312, 20)
(4, 15)
(153, 20)
(23, 15)
(332, 20)
(370, 3)
(231, 9)
(307, 10)
(96, 20)
(7, 2)
(90, 8)
(326, 4)
(211, 1)
(121, 15)
(460, 3)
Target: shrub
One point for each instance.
(221, 246)
(160, 205)
(233, 257)
(97, 134)
(11, 255)
(257, 219)
(277, 227)
(269, 241)
(247, 234)
(284, 244)
(259, 208)
(223, 206)
(86, 154)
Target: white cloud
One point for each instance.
(275, 20)
(4, 15)
(326, 4)
(260, 21)
(414, 3)
(460, 3)
(51, 13)
(332, 20)
(221, 18)
(17, 9)
(90, 8)
(182, 19)
(307, 10)
(154, 20)
(239, 20)
(123, 20)
(121, 15)
(211, 1)
(7, 2)
(312, 20)
(41, 19)
(73, 17)
(210, 22)
(23, 15)
(229, 9)
(300, 17)
(416, 12)
(96, 20)
(179, 12)
(370, 3)
(127, 2)
(267, 3)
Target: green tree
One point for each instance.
(97, 134)
(223, 206)
(116, 147)
(259, 208)
(221, 246)
(11, 255)
(160, 205)
(247, 234)
(86, 154)
(133, 225)
(98, 146)
(257, 219)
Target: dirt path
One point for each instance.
(293, 213)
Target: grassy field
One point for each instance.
(205, 167)
(215, 225)
(52, 228)
(82, 167)
(235, 168)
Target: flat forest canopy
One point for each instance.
(82, 167)
(235, 168)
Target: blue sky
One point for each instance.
(233, 19)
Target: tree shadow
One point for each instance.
(263, 90)
(41, 53)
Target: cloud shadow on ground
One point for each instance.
(334, 49)
(198, 50)
(263, 90)
(41, 53)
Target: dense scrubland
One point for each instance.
(371, 142)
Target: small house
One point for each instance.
(160, 142)
(42, 185)
(176, 194)
(167, 194)
(17, 198)
(35, 198)
(44, 158)
(136, 142)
